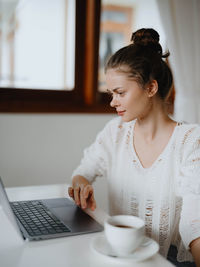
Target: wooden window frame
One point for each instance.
(85, 97)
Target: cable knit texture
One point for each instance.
(166, 195)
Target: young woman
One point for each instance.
(151, 162)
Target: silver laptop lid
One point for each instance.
(4, 202)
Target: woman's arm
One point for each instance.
(195, 250)
(94, 164)
(189, 190)
(82, 192)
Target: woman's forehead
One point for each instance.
(113, 75)
(115, 79)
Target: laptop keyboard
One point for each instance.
(37, 219)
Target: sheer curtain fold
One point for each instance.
(181, 22)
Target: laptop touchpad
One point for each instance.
(74, 218)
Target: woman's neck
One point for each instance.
(155, 122)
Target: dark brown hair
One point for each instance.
(143, 61)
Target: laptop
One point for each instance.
(47, 218)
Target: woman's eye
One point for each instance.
(112, 94)
(121, 93)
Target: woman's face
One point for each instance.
(128, 98)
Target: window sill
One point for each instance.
(41, 101)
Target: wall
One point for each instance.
(44, 149)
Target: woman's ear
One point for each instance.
(152, 88)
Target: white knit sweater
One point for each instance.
(166, 195)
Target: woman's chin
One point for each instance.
(127, 118)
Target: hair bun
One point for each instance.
(148, 38)
(145, 36)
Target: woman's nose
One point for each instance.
(113, 102)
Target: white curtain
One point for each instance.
(181, 22)
(7, 9)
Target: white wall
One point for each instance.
(44, 149)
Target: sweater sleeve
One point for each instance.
(189, 187)
(97, 156)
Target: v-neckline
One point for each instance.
(159, 158)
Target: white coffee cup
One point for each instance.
(124, 233)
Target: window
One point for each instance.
(84, 97)
(115, 28)
(38, 43)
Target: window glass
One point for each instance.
(118, 20)
(37, 44)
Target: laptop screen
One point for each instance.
(4, 202)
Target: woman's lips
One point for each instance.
(120, 113)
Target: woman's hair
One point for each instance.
(143, 61)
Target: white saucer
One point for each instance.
(148, 248)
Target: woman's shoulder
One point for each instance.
(188, 135)
(186, 130)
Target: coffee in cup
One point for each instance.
(124, 233)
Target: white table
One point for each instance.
(61, 252)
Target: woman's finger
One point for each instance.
(89, 195)
(88, 189)
(71, 192)
(83, 199)
(77, 195)
(92, 201)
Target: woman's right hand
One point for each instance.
(83, 193)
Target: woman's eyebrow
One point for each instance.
(113, 90)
